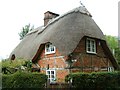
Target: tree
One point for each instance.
(117, 55)
(25, 30)
(112, 41)
(113, 44)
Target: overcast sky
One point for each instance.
(14, 14)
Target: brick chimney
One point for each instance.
(48, 16)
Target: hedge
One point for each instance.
(24, 80)
(97, 80)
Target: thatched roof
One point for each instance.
(64, 32)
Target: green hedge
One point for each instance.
(24, 80)
(106, 80)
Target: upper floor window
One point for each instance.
(90, 46)
(49, 48)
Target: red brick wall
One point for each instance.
(55, 61)
(85, 62)
(90, 62)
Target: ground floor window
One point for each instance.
(110, 69)
(51, 75)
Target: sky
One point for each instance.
(15, 14)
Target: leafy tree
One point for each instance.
(25, 30)
(112, 41)
(117, 55)
(113, 44)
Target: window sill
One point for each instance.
(92, 53)
(49, 53)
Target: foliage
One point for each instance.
(11, 66)
(113, 44)
(97, 80)
(13, 63)
(117, 55)
(0, 80)
(25, 30)
(21, 78)
(112, 41)
(24, 80)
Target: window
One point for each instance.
(49, 48)
(90, 46)
(110, 69)
(51, 75)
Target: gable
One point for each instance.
(102, 52)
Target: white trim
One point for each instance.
(53, 68)
(94, 43)
(51, 77)
(55, 57)
(50, 47)
(110, 69)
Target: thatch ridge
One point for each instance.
(80, 9)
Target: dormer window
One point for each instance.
(49, 48)
(90, 46)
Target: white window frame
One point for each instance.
(91, 46)
(110, 69)
(51, 77)
(49, 51)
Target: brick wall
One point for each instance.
(90, 62)
(55, 61)
(85, 62)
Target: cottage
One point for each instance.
(65, 44)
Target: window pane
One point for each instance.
(47, 49)
(93, 50)
(52, 76)
(48, 72)
(48, 76)
(88, 41)
(47, 45)
(90, 45)
(88, 49)
(52, 72)
(92, 42)
(52, 48)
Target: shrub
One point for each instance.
(106, 80)
(24, 80)
(12, 64)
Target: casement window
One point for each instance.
(90, 46)
(51, 75)
(110, 69)
(49, 48)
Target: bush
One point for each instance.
(106, 80)
(24, 80)
(12, 64)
